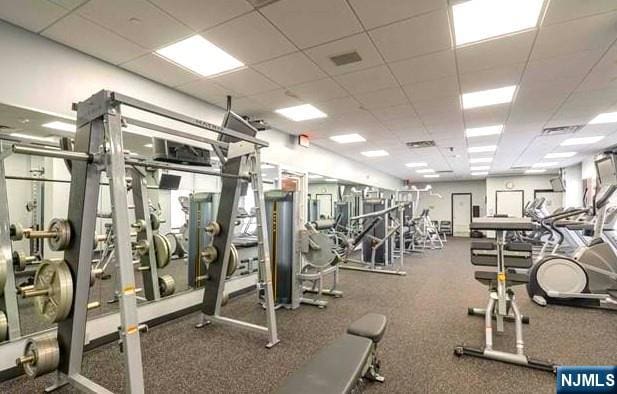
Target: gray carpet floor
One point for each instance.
(427, 312)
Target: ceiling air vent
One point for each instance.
(445, 172)
(559, 130)
(346, 58)
(4, 127)
(420, 144)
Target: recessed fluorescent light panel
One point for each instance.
(375, 153)
(479, 173)
(484, 131)
(57, 125)
(545, 164)
(415, 165)
(301, 112)
(582, 141)
(34, 137)
(480, 160)
(425, 171)
(478, 20)
(481, 149)
(484, 98)
(347, 138)
(331, 180)
(148, 145)
(432, 176)
(607, 117)
(560, 155)
(537, 171)
(200, 56)
(479, 168)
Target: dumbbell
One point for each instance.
(58, 234)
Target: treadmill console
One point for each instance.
(606, 167)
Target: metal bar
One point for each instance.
(178, 167)
(373, 214)
(135, 103)
(86, 385)
(55, 153)
(375, 271)
(238, 323)
(166, 130)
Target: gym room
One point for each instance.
(308, 196)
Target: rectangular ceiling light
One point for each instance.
(200, 56)
(315, 176)
(545, 164)
(481, 149)
(432, 176)
(34, 137)
(479, 168)
(148, 145)
(375, 153)
(479, 173)
(560, 155)
(607, 117)
(347, 138)
(484, 131)
(418, 164)
(57, 125)
(425, 171)
(477, 20)
(536, 171)
(582, 141)
(484, 98)
(331, 180)
(480, 160)
(301, 112)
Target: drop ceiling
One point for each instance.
(406, 87)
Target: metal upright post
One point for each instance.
(401, 218)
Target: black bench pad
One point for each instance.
(511, 278)
(334, 369)
(371, 325)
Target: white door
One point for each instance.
(510, 202)
(554, 200)
(461, 214)
(325, 205)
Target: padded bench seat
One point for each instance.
(371, 325)
(516, 254)
(512, 279)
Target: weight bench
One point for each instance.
(339, 366)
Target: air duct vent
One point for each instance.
(420, 144)
(346, 58)
(445, 172)
(4, 127)
(559, 130)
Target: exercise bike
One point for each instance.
(589, 278)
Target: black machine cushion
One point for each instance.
(510, 261)
(371, 325)
(334, 369)
(491, 276)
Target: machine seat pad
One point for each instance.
(483, 245)
(518, 246)
(371, 326)
(491, 276)
(335, 369)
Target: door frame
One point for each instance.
(452, 208)
(510, 191)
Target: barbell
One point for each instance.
(58, 233)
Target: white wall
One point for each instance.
(441, 208)
(573, 179)
(527, 183)
(40, 74)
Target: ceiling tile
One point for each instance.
(486, 116)
(440, 106)
(340, 106)
(276, 99)
(309, 23)
(246, 82)
(85, 36)
(368, 80)
(382, 98)
(573, 66)
(491, 78)
(203, 14)
(160, 70)
(247, 106)
(138, 21)
(359, 43)
(250, 38)
(564, 10)
(316, 91)
(395, 112)
(375, 13)
(424, 68)
(413, 37)
(495, 53)
(594, 32)
(33, 15)
(604, 73)
(290, 69)
(429, 90)
(207, 90)
(68, 4)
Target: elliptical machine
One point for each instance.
(589, 278)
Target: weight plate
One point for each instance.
(233, 260)
(3, 269)
(162, 249)
(155, 222)
(62, 240)
(55, 276)
(19, 261)
(324, 256)
(45, 355)
(167, 285)
(4, 327)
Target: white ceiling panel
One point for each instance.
(491, 78)
(160, 70)
(276, 99)
(574, 66)
(292, 69)
(500, 52)
(203, 14)
(137, 20)
(68, 4)
(565, 10)
(207, 90)
(316, 91)
(486, 116)
(246, 82)
(424, 68)
(416, 36)
(604, 73)
(403, 123)
(395, 112)
(430, 90)
(250, 38)
(382, 98)
(94, 40)
(367, 80)
(376, 13)
(359, 43)
(33, 15)
(594, 32)
(339, 106)
(310, 23)
(438, 106)
(247, 106)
